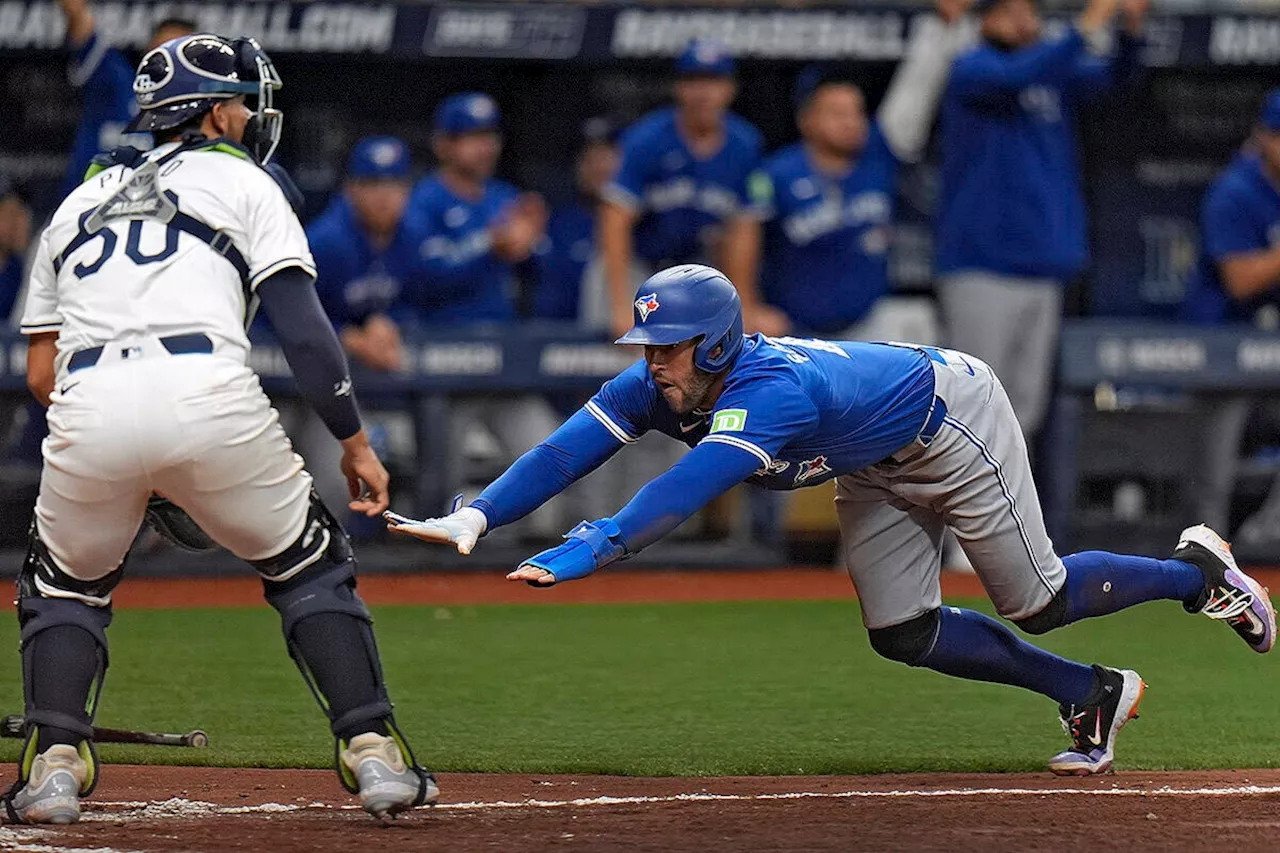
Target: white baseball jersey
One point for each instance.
(137, 277)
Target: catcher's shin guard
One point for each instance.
(314, 580)
(62, 619)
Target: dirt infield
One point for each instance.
(465, 588)
(170, 809)
(608, 587)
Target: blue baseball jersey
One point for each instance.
(1240, 214)
(805, 410)
(826, 236)
(560, 259)
(105, 79)
(463, 281)
(680, 196)
(356, 279)
(792, 413)
(1011, 200)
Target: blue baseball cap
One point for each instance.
(704, 57)
(1270, 117)
(379, 158)
(469, 112)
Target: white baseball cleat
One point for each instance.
(1229, 595)
(52, 793)
(387, 784)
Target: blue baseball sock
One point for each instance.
(1099, 582)
(971, 645)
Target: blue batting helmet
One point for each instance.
(686, 302)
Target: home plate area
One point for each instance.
(202, 810)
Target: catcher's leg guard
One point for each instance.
(63, 623)
(329, 633)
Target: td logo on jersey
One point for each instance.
(646, 305)
(729, 420)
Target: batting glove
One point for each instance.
(589, 546)
(462, 527)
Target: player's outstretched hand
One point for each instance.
(570, 561)
(367, 479)
(533, 575)
(460, 528)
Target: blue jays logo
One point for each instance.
(811, 468)
(646, 305)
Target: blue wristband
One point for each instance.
(588, 547)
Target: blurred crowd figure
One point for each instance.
(680, 196)
(804, 232)
(1011, 214)
(1235, 282)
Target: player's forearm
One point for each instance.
(79, 21)
(740, 259)
(42, 350)
(574, 450)
(1250, 275)
(908, 109)
(312, 349)
(705, 473)
(616, 223)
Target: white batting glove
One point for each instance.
(461, 527)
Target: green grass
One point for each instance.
(683, 689)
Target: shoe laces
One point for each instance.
(1227, 603)
(1071, 724)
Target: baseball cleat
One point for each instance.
(1092, 726)
(1229, 594)
(387, 785)
(52, 793)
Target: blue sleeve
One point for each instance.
(311, 348)
(577, 448)
(627, 186)
(105, 77)
(624, 405)
(987, 75)
(706, 472)
(1092, 76)
(750, 423)
(1227, 228)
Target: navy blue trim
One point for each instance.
(1008, 496)
(186, 344)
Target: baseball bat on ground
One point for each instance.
(14, 726)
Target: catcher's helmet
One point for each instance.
(184, 77)
(686, 302)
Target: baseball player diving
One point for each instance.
(918, 439)
(142, 287)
